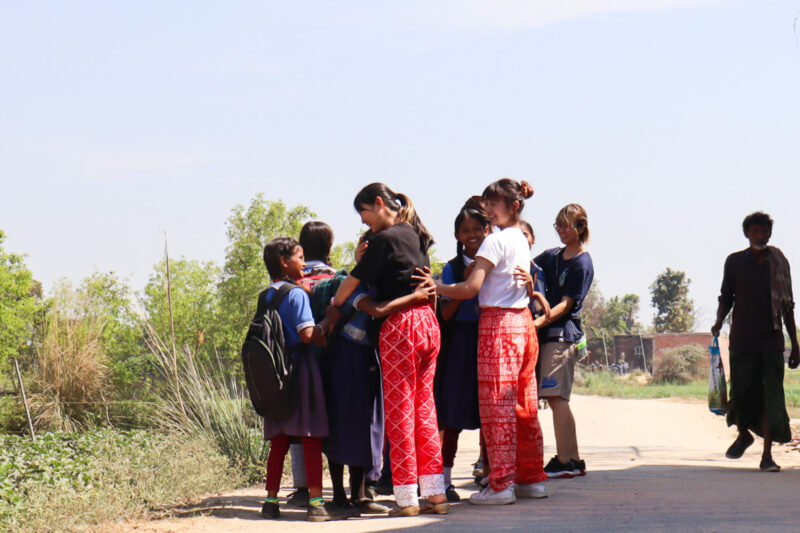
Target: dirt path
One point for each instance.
(653, 465)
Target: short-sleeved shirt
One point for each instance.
(565, 278)
(390, 260)
(746, 286)
(506, 250)
(469, 311)
(294, 310)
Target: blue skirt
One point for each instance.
(310, 417)
(354, 396)
(455, 386)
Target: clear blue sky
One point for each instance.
(669, 120)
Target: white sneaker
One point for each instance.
(533, 490)
(488, 496)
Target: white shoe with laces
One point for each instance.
(533, 490)
(488, 496)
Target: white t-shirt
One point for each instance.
(506, 250)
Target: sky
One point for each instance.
(668, 120)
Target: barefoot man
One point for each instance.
(757, 284)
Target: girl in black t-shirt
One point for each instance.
(409, 343)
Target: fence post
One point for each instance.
(24, 399)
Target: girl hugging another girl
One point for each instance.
(507, 350)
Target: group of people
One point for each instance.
(389, 357)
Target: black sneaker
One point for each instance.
(452, 495)
(298, 498)
(270, 510)
(383, 488)
(580, 467)
(556, 469)
(328, 512)
(742, 442)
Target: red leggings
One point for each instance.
(507, 354)
(409, 344)
(312, 452)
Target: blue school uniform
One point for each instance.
(455, 386)
(353, 391)
(309, 418)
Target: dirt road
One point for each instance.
(653, 465)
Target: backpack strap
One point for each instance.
(262, 306)
(281, 293)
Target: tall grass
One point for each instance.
(206, 402)
(70, 374)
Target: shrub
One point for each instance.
(64, 481)
(70, 378)
(206, 403)
(680, 365)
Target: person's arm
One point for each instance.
(421, 294)
(562, 308)
(313, 334)
(545, 305)
(346, 288)
(726, 298)
(450, 308)
(788, 319)
(465, 290)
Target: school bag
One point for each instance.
(267, 362)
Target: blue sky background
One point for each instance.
(669, 120)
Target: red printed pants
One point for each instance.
(409, 343)
(507, 353)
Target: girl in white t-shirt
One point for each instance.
(507, 350)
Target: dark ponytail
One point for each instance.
(510, 191)
(397, 203)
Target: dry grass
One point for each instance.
(207, 403)
(71, 379)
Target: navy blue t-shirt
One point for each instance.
(571, 278)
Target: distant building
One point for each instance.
(638, 350)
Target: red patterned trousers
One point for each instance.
(409, 343)
(507, 354)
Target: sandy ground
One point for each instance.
(653, 465)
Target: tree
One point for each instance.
(111, 298)
(20, 299)
(244, 275)
(606, 318)
(670, 297)
(195, 305)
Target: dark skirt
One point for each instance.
(354, 395)
(455, 386)
(756, 389)
(310, 418)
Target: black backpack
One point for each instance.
(267, 363)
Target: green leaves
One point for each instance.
(19, 302)
(670, 297)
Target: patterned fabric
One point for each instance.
(409, 343)
(781, 286)
(507, 353)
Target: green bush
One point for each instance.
(12, 415)
(64, 481)
(680, 365)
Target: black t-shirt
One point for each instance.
(391, 258)
(571, 278)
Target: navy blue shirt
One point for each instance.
(571, 278)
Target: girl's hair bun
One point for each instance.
(526, 189)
